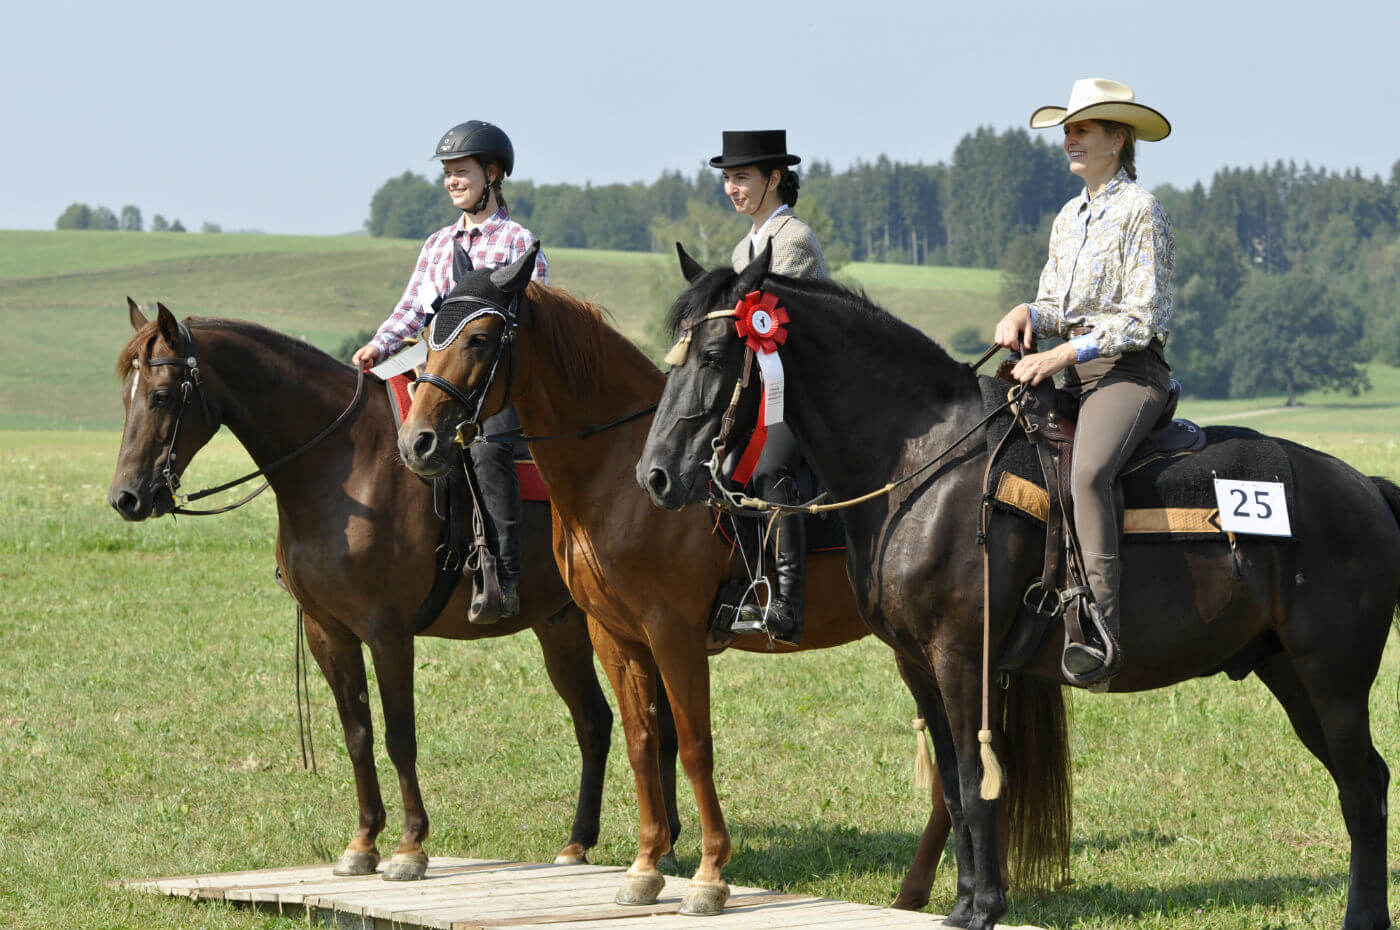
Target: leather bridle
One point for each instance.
(191, 384)
(473, 401)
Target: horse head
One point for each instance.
(707, 380)
(169, 416)
(471, 361)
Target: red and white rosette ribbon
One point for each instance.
(759, 319)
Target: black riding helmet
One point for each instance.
(485, 142)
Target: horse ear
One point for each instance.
(516, 275)
(690, 268)
(138, 319)
(461, 262)
(752, 276)
(169, 329)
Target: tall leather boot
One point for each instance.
(500, 490)
(784, 619)
(1089, 664)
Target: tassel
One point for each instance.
(991, 768)
(923, 762)
(676, 357)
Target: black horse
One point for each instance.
(871, 399)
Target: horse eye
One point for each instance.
(712, 361)
(478, 339)
(160, 398)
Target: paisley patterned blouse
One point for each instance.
(1110, 268)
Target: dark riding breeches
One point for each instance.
(494, 463)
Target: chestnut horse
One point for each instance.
(1308, 614)
(355, 543)
(646, 578)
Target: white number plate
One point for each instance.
(1252, 507)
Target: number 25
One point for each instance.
(1260, 498)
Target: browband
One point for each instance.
(455, 313)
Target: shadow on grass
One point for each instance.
(780, 857)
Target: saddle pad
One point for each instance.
(532, 487)
(1166, 500)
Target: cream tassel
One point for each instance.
(991, 768)
(923, 761)
(676, 357)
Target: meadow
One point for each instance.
(147, 724)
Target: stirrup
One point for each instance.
(1086, 664)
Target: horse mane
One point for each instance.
(578, 335)
(903, 344)
(302, 354)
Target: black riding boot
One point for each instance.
(784, 616)
(500, 491)
(1090, 663)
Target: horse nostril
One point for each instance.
(658, 481)
(424, 443)
(126, 503)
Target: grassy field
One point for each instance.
(66, 293)
(146, 716)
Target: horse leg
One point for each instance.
(338, 654)
(670, 746)
(568, 658)
(686, 672)
(914, 890)
(981, 893)
(1362, 778)
(393, 666)
(631, 671)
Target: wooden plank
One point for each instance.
(297, 894)
(540, 893)
(809, 913)
(180, 885)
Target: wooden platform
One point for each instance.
(479, 894)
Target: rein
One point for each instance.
(192, 383)
(510, 437)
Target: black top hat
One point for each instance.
(751, 147)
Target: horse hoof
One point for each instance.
(406, 867)
(643, 888)
(909, 902)
(669, 864)
(356, 862)
(573, 854)
(705, 899)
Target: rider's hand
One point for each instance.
(1014, 331)
(1036, 367)
(365, 356)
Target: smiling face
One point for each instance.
(1092, 149)
(465, 180)
(749, 189)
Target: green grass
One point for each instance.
(147, 728)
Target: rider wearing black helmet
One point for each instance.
(475, 156)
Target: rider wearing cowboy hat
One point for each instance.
(475, 157)
(1106, 288)
(759, 180)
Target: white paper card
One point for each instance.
(772, 370)
(406, 360)
(1257, 507)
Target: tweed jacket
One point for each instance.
(796, 252)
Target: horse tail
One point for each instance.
(1039, 787)
(1391, 492)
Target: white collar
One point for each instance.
(757, 234)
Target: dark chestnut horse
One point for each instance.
(871, 400)
(646, 578)
(355, 543)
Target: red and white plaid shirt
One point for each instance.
(494, 244)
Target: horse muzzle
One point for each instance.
(424, 452)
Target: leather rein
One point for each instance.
(191, 384)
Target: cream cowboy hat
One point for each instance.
(1100, 98)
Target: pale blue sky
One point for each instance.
(285, 116)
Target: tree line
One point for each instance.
(82, 216)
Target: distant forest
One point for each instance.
(1287, 277)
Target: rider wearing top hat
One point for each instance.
(759, 180)
(475, 157)
(1107, 288)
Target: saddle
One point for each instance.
(1048, 417)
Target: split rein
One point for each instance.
(192, 384)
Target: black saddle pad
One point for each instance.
(1170, 499)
